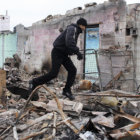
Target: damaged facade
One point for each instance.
(118, 30)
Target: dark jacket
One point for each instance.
(67, 40)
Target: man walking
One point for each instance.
(64, 46)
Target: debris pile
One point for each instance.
(104, 115)
(11, 66)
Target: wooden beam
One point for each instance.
(2, 84)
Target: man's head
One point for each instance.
(82, 23)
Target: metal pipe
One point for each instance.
(98, 68)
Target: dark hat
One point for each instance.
(82, 21)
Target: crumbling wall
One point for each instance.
(136, 42)
(22, 38)
(36, 43)
(132, 39)
(111, 17)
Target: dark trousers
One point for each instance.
(58, 59)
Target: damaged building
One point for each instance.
(112, 33)
(107, 105)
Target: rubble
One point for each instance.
(93, 115)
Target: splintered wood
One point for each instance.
(2, 83)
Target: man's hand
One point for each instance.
(79, 56)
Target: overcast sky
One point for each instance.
(27, 12)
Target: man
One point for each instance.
(64, 46)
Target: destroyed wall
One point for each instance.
(36, 43)
(127, 32)
(137, 43)
(23, 35)
(133, 39)
(112, 35)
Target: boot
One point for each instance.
(68, 94)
